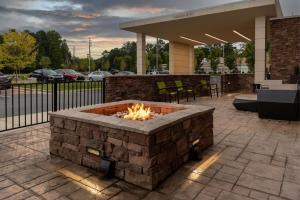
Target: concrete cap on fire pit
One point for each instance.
(101, 114)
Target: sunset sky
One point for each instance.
(77, 20)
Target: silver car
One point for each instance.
(98, 75)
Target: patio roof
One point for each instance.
(201, 24)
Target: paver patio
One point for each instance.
(252, 159)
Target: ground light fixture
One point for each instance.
(243, 36)
(216, 38)
(182, 37)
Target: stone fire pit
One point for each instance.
(145, 152)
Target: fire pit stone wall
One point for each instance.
(145, 152)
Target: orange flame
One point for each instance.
(138, 112)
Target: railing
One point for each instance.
(28, 104)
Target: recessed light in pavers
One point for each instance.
(144, 151)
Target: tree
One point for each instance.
(82, 64)
(66, 53)
(54, 44)
(45, 62)
(18, 50)
(249, 54)
(163, 53)
(214, 54)
(43, 47)
(123, 58)
(151, 60)
(129, 49)
(199, 56)
(230, 56)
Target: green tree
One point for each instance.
(199, 56)
(249, 54)
(214, 55)
(43, 47)
(45, 62)
(123, 58)
(230, 56)
(163, 53)
(129, 49)
(55, 54)
(106, 65)
(66, 53)
(151, 60)
(18, 50)
(84, 65)
(116, 62)
(51, 45)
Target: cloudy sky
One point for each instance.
(77, 20)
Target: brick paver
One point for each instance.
(252, 158)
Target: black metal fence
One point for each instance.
(27, 104)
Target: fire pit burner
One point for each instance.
(145, 149)
(137, 112)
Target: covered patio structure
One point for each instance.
(236, 22)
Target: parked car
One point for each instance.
(5, 81)
(114, 71)
(70, 75)
(152, 72)
(98, 75)
(125, 73)
(47, 75)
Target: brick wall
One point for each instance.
(143, 87)
(237, 82)
(285, 47)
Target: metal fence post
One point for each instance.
(33, 101)
(103, 90)
(54, 96)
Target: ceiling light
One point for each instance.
(193, 40)
(238, 33)
(208, 35)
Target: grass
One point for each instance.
(67, 86)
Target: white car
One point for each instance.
(98, 75)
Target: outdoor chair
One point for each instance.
(185, 89)
(167, 92)
(210, 88)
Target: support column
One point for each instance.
(260, 48)
(141, 54)
(181, 58)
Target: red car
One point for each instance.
(70, 74)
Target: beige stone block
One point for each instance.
(260, 22)
(260, 33)
(141, 53)
(188, 190)
(290, 191)
(70, 125)
(259, 77)
(229, 195)
(260, 44)
(265, 170)
(260, 56)
(260, 183)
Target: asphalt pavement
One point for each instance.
(21, 103)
